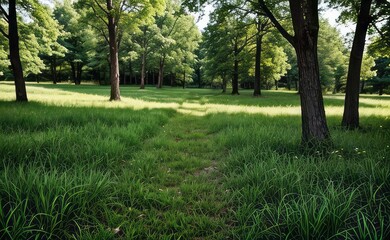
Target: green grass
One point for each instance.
(113, 172)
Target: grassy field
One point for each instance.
(187, 164)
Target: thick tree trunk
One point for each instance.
(14, 55)
(143, 72)
(257, 84)
(351, 104)
(114, 61)
(314, 126)
(306, 25)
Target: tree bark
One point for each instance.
(305, 22)
(351, 104)
(14, 55)
(114, 61)
(257, 83)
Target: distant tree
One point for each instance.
(331, 57)
(218, 54)
(368, 71)
(382, 79)
(74, 39)
(274, 63)
(109, 14)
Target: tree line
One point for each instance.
(255, 43)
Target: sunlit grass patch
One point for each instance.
(199, 106)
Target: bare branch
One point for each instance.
(2, 10)
(4, 33)
(276, 23)
(100, 17)
(101, 8)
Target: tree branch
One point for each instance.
(2, 10)
(276, 23)
(101, 8)
(4, 33)
(100, 17)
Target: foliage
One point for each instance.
(332, 57)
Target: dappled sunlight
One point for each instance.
(200, 107)
(372, 100)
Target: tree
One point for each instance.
(274, 63)
(368, 71)
(74, 39)
(218, 54)
(361, 12)
(331, 55)
(167, 27)
(10, 17)
(382, 79)
(110, 14)
(305, 22)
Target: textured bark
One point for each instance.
(114, 61)
(314, 126)
(304, 15)
(351, 104)
(14, 55)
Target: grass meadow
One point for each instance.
(187, 164)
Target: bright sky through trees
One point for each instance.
(202, 19)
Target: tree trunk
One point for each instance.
(224, 83)
(314, 126)
(114, 61)
(14, 55)
(351, 104)
(257, 84)
(54, 70)
(160, 74)
(79, 71)
(381, 87)
(363, 83)
(235, 72)
(306, 25)
(276, 85)
(184, 80)
(143, 72)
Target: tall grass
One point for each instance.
(59, 166)
(280, 191)
(192, 170)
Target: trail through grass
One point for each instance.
(76, 166)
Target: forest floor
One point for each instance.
(187, 163)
